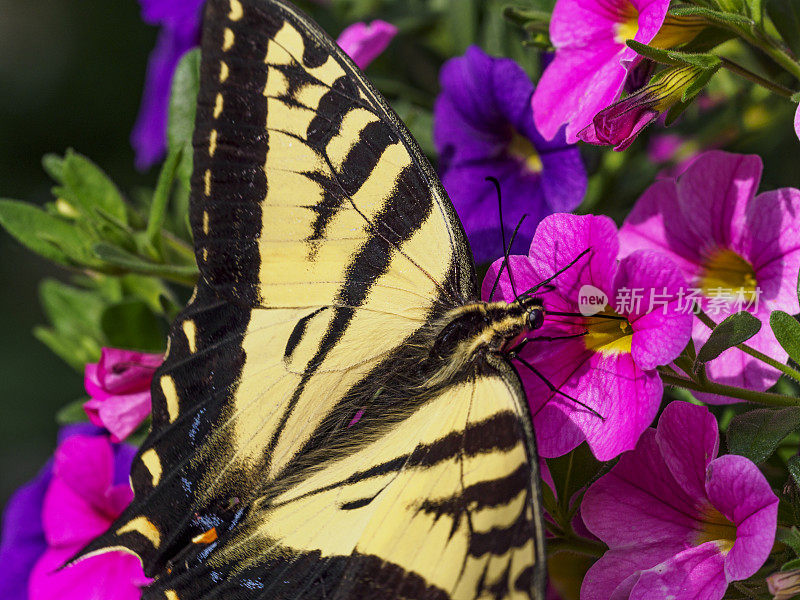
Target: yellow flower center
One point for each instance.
(522, 149)
(726, 271)
(629, 26)
(715, 527)
(608, 336)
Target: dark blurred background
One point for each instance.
(71, 74)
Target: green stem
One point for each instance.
(773, 49)
(765, 398)
(755, 78)
(158, 205)
(576, 544)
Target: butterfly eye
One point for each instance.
(535, 319)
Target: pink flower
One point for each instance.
(740, 250)
(120, 389)
(608, 364)
(797, 122)
(89, 490)
(364, 42)
(679, 522)
(592, 60)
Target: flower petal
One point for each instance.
(639, 503)
(714, 192)
(740, 491)
(23, 536)
(121, 415)
(694, 574)
(614, 575)
(657, 223)
(86, 465)
(650, 284)
(365, 42)
(688, 439)
(116, 575)
(560, 238)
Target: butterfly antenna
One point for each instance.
(557, 273)
(506, 257)
(555, 390)
(597, 316)
(503, 234)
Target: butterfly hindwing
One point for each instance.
(293, 386)
(441, 505)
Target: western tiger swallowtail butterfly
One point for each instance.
(337, 416)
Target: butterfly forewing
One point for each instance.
(295, 450)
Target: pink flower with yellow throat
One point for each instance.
(592, 60)
(601, 384)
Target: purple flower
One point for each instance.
(364, 42)
(592, 60)
(608, 364)
(24, 541)
(88, 491)
(741, 251)
(180, 31)
(483, 126)
(119, 386)
(679, 522)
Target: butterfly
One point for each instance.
(337, 415)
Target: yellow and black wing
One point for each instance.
(295, 451)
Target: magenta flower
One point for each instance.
(609, 364)
(483, 126)
(119, 386)
(364, 42)
(797, 121)
(88, 491)
(24, 541)
(738, 250)
(592, 60)
(679, 522)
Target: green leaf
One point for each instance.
(71, 310)
(791, 565)
(787, 330)
(132, 325)
(117, 257)
(53, 165)
(676, 58)
(734, 330)
(75, 350)
(182, 108)
(757, 433)
(572, 472)
(149, 289)
(52, 237)
(72, 413)
(793, 464)
(87, 188)
(785, 15)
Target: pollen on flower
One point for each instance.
(608, 336)
(627, 29)
(715, 527)
(725, 269)
(522, 148)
